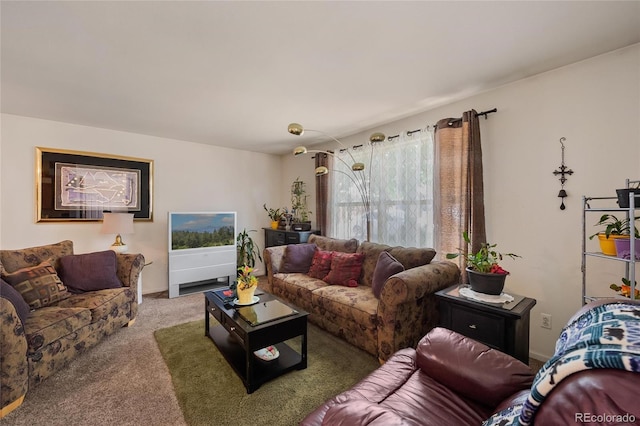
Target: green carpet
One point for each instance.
(210, 393)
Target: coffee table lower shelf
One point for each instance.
(263, 371)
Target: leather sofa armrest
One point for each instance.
(273, 262)
(413, 284)
(14, 371)
(373, 389)
(592, 393)
(471, 368)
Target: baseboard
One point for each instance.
(539, 356)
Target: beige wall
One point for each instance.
(595, 105)
(187, 177)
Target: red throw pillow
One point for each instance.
(386, 266)
(320, 264)
(345, 269)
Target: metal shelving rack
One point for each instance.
(630, 264)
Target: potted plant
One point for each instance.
(274, 215)
(246, 286)
(624, 193)
(614, 229)
(484, 272)
(625, 288)
(299, 209)
(247, 250)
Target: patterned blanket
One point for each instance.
(606, 336)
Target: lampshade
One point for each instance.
(321, 171)
(299, 150)
(117, 223)
(295, 129)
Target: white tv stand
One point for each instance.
(198, 270)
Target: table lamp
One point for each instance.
(117, 223)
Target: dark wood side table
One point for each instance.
(277, 237)
(502, 326)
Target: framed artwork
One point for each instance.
(79, 186)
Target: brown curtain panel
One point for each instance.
(458, 192)
(322, 194)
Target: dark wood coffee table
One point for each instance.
(237, 339)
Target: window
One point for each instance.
(401, 188)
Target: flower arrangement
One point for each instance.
(245, 279)
(485, 260)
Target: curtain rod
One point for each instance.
(478, 114)
(410, 132)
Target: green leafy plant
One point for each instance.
(274, 214)
(485, 260)
(299, 201)
(625, 288)
(615, 226)
(247, 250)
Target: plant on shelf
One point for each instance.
(274, 215)
(615, 226)
(614, 229)
(247, 250)
(483, 269)
(625, 288)
(299, 202)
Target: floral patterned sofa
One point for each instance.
(379, 314)
(44, 324)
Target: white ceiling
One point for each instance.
(236, 73)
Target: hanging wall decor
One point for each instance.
(562, 172)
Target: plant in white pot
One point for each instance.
(484, 272)
(614, 229)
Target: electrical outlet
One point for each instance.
(545, 320)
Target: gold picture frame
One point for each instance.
(80, 186)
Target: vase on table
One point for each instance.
(245, 296)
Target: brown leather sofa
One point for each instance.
(451, 379)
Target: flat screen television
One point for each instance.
(199, 230)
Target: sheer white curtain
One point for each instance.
(401, 192)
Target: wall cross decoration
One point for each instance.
(562, 172)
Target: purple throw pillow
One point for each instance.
(297, 258)
(12, 295)
(90, 272)
(386, 266)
